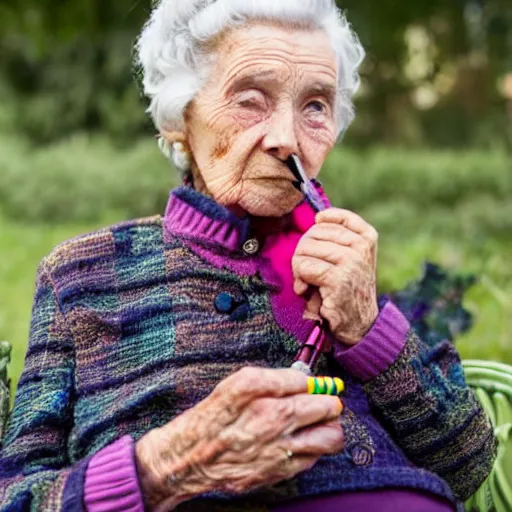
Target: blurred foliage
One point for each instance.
(66, 66)
(453, 193)
(468, 234)
(454, 52)
(452, 207)
(433, 304)
(79, 179)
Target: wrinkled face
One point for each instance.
(271, 93)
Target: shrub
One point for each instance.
(400, 191)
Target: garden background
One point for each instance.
(427, 162)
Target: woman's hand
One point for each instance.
(257, 427)
(338, 256)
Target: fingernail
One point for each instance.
(325, 386)
(341, 406)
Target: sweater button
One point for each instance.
(361, 455)
(224, 303)
(251, 247)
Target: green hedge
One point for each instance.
(82, 179)
(452, 193)
(454, 208)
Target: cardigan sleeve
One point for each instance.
(35, 473)
(111, 480)
(420, 395)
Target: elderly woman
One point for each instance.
(156, 374)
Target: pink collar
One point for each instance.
(216, 235)
(201, 220)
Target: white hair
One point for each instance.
(171, 49)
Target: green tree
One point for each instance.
(65, 66)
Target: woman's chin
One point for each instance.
(274, 204)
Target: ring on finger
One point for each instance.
(172, 479)
(288, 453)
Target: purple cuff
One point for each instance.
(111, 482)
(379, 349)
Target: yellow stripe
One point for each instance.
(325, 386)
(311, 385)
(340, 385)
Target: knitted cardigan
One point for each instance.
(127, 333)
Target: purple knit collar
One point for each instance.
(198, 218)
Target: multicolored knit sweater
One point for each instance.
(136, 323)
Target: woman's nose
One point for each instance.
(281, 138)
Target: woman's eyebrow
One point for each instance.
(321, 89)
(268, 78)
(253, 80)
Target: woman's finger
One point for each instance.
(313, 271)
(309, 411)
(326, 251)
(350, 220)
(300, 287)
(338, 234)
(268, 418)
(249, 383)
(323, 439)
(313, 306)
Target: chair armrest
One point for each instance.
(492, 384)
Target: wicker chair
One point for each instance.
(492, 383)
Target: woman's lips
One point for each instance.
(295, 183)
(289, 178)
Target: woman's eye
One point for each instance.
(316, 107)
(251, 99)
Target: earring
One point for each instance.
(176, 153)
(180, 156)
